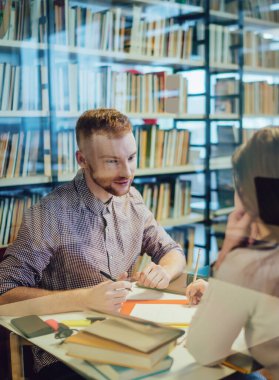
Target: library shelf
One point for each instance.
(186, 8)
(260, 116)
(260, 70)
(225, 116)
(254, 24)
(220, 163)
(222, 15)
(159, 115)
(216, 67)
(24, 114)
(190, 168)
(125, 57)
(222, 211)
(189, 219)
(16, 44)
(19, 181)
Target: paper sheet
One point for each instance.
(169, 314)
(150, 294)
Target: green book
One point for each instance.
(113, 372)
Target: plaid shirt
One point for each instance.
(69, 236)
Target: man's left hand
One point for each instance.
(153, 276)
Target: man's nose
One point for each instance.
(126, 170)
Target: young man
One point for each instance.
(95, 223)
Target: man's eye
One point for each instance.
(132, 158)
(111, 161)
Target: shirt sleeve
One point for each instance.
(225, 308)
(156, 241)
(25, 259)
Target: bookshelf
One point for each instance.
(146, 59)
(253, 95)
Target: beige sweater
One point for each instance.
(239, 297)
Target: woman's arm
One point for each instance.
(222, 313)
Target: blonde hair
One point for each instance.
(106, 121)
(259, 157)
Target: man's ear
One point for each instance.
(81, 159)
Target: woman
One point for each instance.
(244, 292)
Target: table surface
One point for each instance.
(184, 365)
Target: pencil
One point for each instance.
(197, 266)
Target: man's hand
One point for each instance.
(153, 276)
(107, 295)
(195, 290)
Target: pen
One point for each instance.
(107, 276)
(112, 279)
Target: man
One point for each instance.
(96, 223)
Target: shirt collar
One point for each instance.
(88, 198)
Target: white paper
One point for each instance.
(164, 313)
(150, 294)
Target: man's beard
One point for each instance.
(106, 184)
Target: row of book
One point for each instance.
(225, 106)
(24, 20)
(158, 148)
(11, 213)
(261, 98)
(77, 88)
(168, 200)
(16, 92)
(186, 239)
(25, 153)
(226, 86)
(118, 29)
(66, 152)
(223, 42)
(261, 9)
(260, 51)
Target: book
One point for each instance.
(133, 333)
(87, 346)
(226, 143)
(13, 154)
(224, 187)
(242, 363)
(113, 372)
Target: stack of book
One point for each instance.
(122, 341)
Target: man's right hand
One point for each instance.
(107, 295)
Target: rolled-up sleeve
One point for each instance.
(25, 260)
(156, 241)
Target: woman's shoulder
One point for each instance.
(250, 267)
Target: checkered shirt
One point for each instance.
(67, 238)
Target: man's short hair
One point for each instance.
(104, 121)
